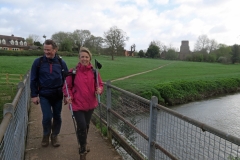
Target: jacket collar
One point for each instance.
(84, 68)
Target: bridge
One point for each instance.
(100, 147)
(138, 128)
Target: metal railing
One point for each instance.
(147, 130)
(13, 128)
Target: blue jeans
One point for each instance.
(51, 109)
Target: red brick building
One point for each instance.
(13, 43)
(129, 53)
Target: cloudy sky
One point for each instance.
(168, 21)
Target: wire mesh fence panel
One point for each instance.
(173, 135)
(187, 141)
(12, 146)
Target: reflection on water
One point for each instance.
(222, 113)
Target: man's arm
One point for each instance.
(34, 82)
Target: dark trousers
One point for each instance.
(83, 120)
(51, 111)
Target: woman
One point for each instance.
(82, 95)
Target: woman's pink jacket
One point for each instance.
(83, 92)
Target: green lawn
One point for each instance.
(178, 70)
(120, 67)
(124, 66)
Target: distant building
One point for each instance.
(130, 53)
(13, 43)
(184, 50)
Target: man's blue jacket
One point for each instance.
(47, 76)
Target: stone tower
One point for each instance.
(184, 50)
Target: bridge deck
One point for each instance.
(101, 149)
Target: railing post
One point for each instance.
(152, 128)
(109, 103)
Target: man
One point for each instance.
(47, 79)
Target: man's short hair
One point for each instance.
(51, 42)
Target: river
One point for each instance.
(222, 113)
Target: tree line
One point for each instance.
(205, 50)
(112, 42)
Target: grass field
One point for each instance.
(178, 71)
(124, 66)
(121, 66)
(170, 71)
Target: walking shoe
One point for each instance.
(45, 141)
(82, 149)
(54, 141)
(82, 152)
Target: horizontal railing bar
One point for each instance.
(128, 93)
(203, 126)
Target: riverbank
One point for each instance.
(181, 92)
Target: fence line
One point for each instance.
(13, 128)
(10, 78)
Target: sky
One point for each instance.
(143, 21)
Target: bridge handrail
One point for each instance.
(147, 130)
(13, 128)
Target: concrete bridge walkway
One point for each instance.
(100, 147)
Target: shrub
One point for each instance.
(179, 92)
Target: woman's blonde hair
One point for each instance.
(84, 49)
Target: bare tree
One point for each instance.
(213, 45)
(115, 40)
(98, 42)
(94, 43)
(202, 43)
(172, 48)
(80, 36)
(34, 37)
(29, 41)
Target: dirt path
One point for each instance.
(100, 147)
(132, 75)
